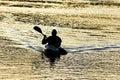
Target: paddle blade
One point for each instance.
(37, 29)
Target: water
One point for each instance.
(90, 55)
(34, 42)
(93, 54)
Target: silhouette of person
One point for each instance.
(53, 43)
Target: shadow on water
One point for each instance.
(48, 55)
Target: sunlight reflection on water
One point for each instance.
(33, 43)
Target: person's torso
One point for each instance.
(53, 40)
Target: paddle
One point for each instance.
(38, 30)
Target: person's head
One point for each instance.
(54, 32)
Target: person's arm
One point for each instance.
(44, 41)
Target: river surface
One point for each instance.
(92, 54)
